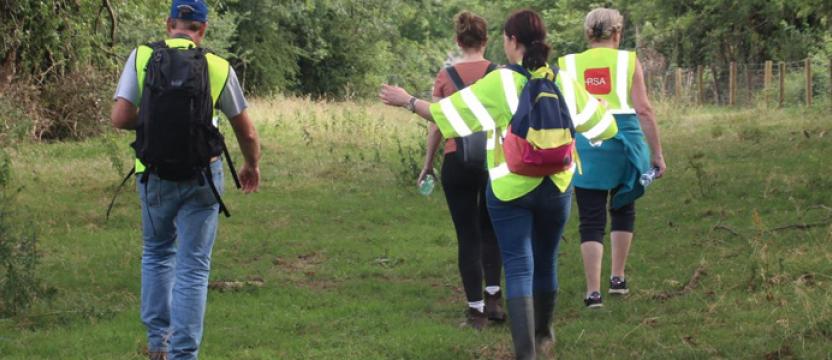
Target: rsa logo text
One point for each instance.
(598, 81)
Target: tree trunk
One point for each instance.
(8, 69)
(113, 21)
(717, 91)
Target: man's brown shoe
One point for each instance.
(494, 307)
(158, 355)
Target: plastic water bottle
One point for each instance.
(648, 177)
(427, 185)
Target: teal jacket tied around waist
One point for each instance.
(617, 164)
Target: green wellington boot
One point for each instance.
(544, 334)
(521, 316)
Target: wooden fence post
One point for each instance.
(782, 84)
(678, 84)
(749, 78)
(767, 80)
(732, 84)
(808, 82)
(700, 98)
(718, 90)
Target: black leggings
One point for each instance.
(478, 250)
(592, 208)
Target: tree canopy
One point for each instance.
(343, 48)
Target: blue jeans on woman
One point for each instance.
(528, 230)
(179, 224)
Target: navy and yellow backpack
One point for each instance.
(540, 140)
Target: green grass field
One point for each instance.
(340, 258)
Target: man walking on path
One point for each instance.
(180, 214)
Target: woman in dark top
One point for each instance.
(464, 184)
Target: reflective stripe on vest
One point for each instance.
(623, 80)
(218, 71)
(569, 92)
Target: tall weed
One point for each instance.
(20, 284)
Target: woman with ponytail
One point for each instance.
(528, 213)
(464, 183)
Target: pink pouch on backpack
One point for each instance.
(525, 159)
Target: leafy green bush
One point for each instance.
(62, 58)
(15, 118)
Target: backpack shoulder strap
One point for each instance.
(519, 69)
(157, 45)
(491, 67)
(118, 190)
(143, 54)
(555, 71)
(455, 78)
(210, 179)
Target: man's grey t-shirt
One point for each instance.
(231, 101)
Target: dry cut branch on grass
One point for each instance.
(726, 228)
(235, 285)
(690, 286)
(803, 226)
(799, 226)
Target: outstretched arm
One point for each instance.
(486, 105)
(588, 114)
(396, 96)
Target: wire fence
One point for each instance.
(805, 82)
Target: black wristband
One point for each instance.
(411, 104)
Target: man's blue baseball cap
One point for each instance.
(195, 10)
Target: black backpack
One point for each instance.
(175, 135)
(470, 150)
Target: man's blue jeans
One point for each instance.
(179, 223)
(528, 231)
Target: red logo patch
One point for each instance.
(598, 81)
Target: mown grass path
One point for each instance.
(338, 257)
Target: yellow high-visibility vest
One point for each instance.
(489, 104)
(606, 74)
